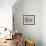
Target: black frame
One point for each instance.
(29, 15)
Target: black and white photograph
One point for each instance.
(28, 19)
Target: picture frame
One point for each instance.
(29, 19)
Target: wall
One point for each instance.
(6, 13)
(29, 7)
(43, 22)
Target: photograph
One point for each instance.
(28, 19)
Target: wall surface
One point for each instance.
(29, 7)
(43, 22)
(6, 13)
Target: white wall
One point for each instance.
(6, 13)
(43, 22)
(29, 7)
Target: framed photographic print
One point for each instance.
(28, 19)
